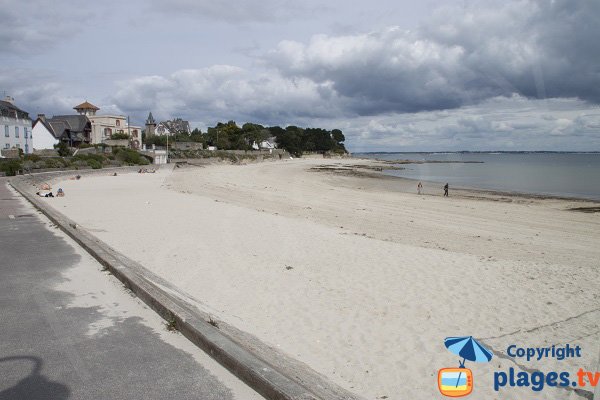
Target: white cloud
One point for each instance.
(225, 92)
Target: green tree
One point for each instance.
(119, 136)
(338, 136)
(63, 149)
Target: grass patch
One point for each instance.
(171, 323)
(213, 322)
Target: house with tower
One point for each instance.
(85, 127)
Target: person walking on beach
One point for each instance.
(419, 188)
(446, 190)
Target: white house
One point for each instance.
(172, 127)
(71, 129)
(15, 126)
(267, 144)
(43, 136)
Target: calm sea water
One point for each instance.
(559, 174)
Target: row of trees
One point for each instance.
(230, 136)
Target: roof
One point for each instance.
(150, 120)
(176, 125)
(86, 106)
(75, 123)
(8, 109)
(66, 126)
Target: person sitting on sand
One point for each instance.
(60, 193)
(419, 188)
(45, 186)
(446, 190)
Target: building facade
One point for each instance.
(15, 127)
(105, 126)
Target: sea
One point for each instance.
(575, 175)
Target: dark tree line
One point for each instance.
(229, 136)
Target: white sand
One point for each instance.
(355, 277)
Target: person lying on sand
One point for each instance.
(45, 186)
(49, 194)
(76, 177)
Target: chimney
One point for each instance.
(9, 99)
(42, 117)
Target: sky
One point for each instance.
(393, 75)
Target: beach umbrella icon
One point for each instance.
(467, 348)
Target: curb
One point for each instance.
(284, 382)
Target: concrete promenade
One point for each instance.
(69, 330)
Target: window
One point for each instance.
(107, 132)
(26, 149)
(6, 130)
(118, 123)
(16, 131)
(18, 145)
(25, 132)
(7, 146)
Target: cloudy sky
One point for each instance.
(394, 75)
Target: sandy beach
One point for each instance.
(355, 274)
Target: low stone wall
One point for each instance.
(116, 142)
(46, 152)
(186, 146)
(10, 153)
(31, 182)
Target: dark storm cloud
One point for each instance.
(35, 25)
(459, 57)
(44, 92)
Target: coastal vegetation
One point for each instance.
(230, 136)
(32, 162)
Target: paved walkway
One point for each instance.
(68, 330)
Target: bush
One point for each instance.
(130, 157)
(94, 164)
(55, 163)
(32, 157)
(11, 167)
(86, 157)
